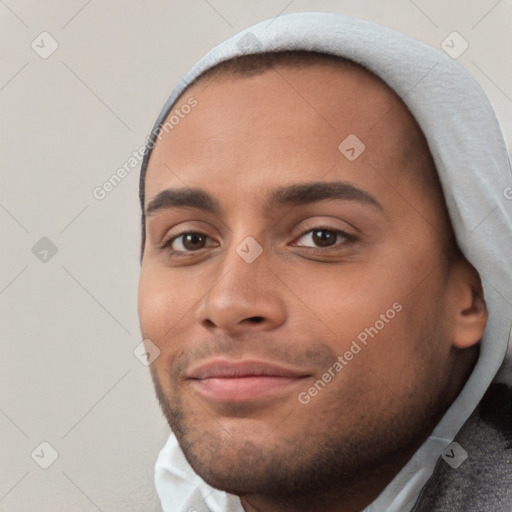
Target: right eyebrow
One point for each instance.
(183, 197)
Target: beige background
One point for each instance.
(68, 375)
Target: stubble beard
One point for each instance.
(319, 465)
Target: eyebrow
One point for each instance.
(291, 195)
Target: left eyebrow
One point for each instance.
(304, 193)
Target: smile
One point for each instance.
(237, 381)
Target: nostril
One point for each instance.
(256, 319)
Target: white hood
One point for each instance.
(472, 162)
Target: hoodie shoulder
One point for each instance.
(483, 481)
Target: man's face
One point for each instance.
(244, 342)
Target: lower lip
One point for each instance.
(240, 389)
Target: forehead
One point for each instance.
(285, 124)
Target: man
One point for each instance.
(322, 279)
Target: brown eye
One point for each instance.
(324, 237)
(192, 241)
(189, 241)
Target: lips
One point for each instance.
(234, 380)
(224, 368)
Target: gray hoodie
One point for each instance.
(474, 170)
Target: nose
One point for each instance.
(244, 296)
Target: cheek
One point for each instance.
(381, 305)
(348, 298)
(405, 335)
(164, 304)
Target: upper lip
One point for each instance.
(229, 368)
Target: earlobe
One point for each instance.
(472, 313)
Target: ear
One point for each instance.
(470, 308)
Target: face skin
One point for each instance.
(303, 301)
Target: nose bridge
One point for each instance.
(245, 272)
(244, 290)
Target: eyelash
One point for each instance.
(349, 240)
